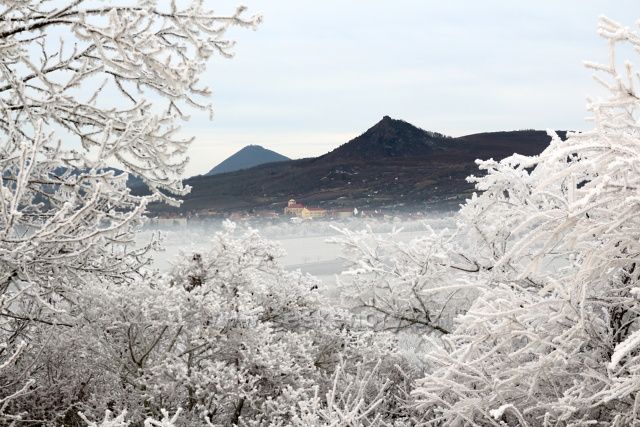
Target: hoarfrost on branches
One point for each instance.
(527, 311)
(406, 285)
(552, 337)
(66, 216)
(120, 420)
(548, 256)
(87, 86)
(229, 336)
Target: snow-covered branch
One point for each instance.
(552, 337)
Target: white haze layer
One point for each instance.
(305, 243)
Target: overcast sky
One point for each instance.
(318, 73)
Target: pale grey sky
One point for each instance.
(317, 73)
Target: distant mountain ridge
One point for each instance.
(393, 164)
(248, 157)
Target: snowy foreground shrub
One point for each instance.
(549, 253)
(406, 286)
(75, 80)
(553, 337)
(229, 337)
(120, 420)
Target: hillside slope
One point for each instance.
(393, 164)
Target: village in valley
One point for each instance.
(293, 210)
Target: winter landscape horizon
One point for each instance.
(397, 216)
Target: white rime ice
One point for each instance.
(527, 313)
(529, 308)
(552, 337)
(624, 348)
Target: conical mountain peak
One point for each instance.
(389, 138)
(247, 157)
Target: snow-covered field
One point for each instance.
(306, 244)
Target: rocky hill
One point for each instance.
(393, 164)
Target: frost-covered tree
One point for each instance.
(121, 420)
(230, 337)
(87, 85)
(553, 337)
(414, 285)
(548, 254)
(13, 379)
